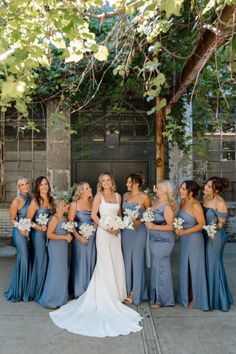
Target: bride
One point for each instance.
(99, 312)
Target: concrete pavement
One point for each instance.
(25, 328)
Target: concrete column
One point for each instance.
(58, 148)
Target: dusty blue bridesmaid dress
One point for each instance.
(192, 266)
(19, 287)
(161, 245)
(83, 257)
(220, 296)
(55, 291)
(39, 240)
(133, 247)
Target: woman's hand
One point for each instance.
(180, 232)
(149, 225)
(82, 239)
(24, 233)
(136, 223)
(113, 231)
(68, 238)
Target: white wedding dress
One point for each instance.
(99, 312)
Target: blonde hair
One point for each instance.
(79, 190)
(99, 185)
(169, 191)
(19, 180)
(56, 203)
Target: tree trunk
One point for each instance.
(211, 39)
(2, 144)
(160, 123)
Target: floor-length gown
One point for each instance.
(192, 266)
(133, 246)
(220, 296)
(19, 287)
(55, 291)
(99, 312)
(83, 257)
(39, 271)
(161, 246)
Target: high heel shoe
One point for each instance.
(130, 299)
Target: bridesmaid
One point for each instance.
(215, 208)
(41, 204)
(161, 245)
(192, 284)
(19, 287)
(83, 251)
(55, 291)
(134, 241)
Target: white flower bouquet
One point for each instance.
(211, 230)
(178, 223)
(42, 219)
(111, 222)
(86, 230)
(148, 215)
(130, 215)
(69, 225)
(23, 224)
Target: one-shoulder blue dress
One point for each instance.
(19, 287)
(39, 271)
(83, 257)
(220, 296)
(133, 247)
(55, 291)
(161, 245)
(192, 266)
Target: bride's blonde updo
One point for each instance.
(78, 191)
(169, 191)
(99, 185)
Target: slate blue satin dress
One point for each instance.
(83, 257)
(39, 271)
(19, 287)
(133, 247)
(161, 245)
(55, 291)
(220, 296)
(192, 264)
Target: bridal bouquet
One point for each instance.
(86, 230)
(178, 223)
(42, 219)
(211, 230)
(111, 222)
(130, 215)
(148, 215)
(69, 225)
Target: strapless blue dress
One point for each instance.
(19, 287)
(220, 296)
(83, 257)
(39, 271)
(192, 266)
(133, 247)
(55, 291)
(161, 245)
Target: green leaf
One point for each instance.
(102, 53)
